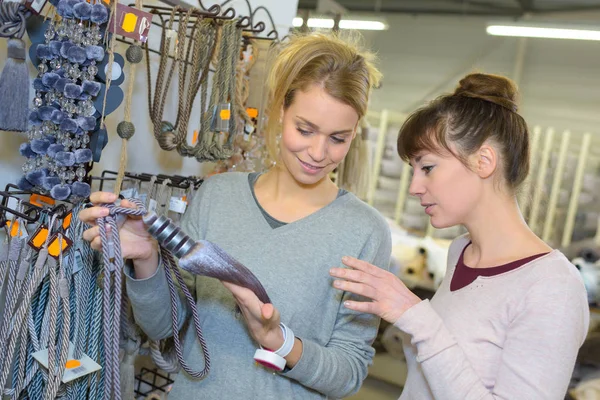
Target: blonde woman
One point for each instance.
(288, 226)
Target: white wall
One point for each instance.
(560, 80)
(143, 152)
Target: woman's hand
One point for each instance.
(390, 297)
(136, 242)
(262, 319)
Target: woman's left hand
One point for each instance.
(390, 297)
(262, 319)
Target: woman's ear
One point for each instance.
(487, 161)
(356, 129)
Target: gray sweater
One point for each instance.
(292, 262)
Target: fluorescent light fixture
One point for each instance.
(536, 30)
(344, 24)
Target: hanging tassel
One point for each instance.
(14, 89)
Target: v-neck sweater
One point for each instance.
(514, 335)
(292, 262)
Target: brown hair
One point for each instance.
(482, 108)
(346, 72)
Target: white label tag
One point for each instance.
(12, 203)
(142, 197)
(152, 205)
(127, 193)
(78, 265)
(177, 205)
(74, 368)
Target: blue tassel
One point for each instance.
(24, 184)
(83, 156)
(86, 123)
(65, 8)
(69, 125)
(39, 85)
(25, 150)
(91, 87)
(36, 177)
(57, 117)
(45, 112)
(72, 90)
(95, 52)
(60, 84)
(65, 158)
(76, 54)
(54, 149)
(64, 49)
(50, 78)
(34, 118)
(80, 189)
(50, 181)
(55, 46)
(14, 89)
(40, 146)
(43, 51)
(60, 192)
(99, 14)
(82, 10)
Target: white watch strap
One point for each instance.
(288, 341)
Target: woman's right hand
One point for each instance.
(136, 242)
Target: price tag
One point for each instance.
(35, 5)
(73, 368)
(177, 205)
(152, 205)
(131, 22)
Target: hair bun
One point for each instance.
(493, 88)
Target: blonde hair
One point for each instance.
(346, 72)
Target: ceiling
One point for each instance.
(500, 8)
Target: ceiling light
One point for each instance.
(535, 30)
(344, 24)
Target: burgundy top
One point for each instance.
(464, 275)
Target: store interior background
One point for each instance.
(426, 48)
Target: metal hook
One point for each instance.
(21, 215)
(244, 22)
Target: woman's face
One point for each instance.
(316, 136)
(448, 190)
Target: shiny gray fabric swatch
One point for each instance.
(210, 260)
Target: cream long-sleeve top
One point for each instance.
(510, 336)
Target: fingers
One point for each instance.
(103, 197)
(363, 266)
(128, 204)
(362, 306)
(96, 244)
(91, 233)
(268, 311)
(349, 274)
(356, 288)
(90, 215)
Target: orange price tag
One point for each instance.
(252, 112)
(195, 137)
(225, 114)
(40, 201)
(72, 364)
(13, 227)
(58, 243)
(129, 22)
(38, 238)
(67, 221)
